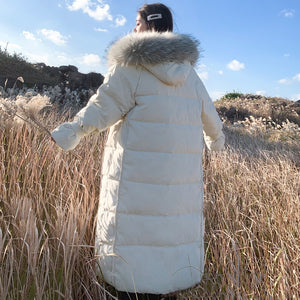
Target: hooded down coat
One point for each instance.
(150, 226)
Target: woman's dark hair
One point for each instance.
(165, 23)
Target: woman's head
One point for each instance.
(156, 17)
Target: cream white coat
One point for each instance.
(150, 223)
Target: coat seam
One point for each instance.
(137, 84)
(162, 152)
(120, 182)
(187, 153)
(169, 95)
(155, 246)
(166, 123)
(162, 246)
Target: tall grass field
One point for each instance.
(49, 199)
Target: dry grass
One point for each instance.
(48, 202)
(252, 213)
(277, 109)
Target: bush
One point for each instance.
(232, 95)
(239, 108)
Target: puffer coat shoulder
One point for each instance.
(150, 225)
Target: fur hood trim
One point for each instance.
(152, 48)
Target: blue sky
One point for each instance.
(250, 46)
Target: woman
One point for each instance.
(150, 226)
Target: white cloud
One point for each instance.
(100, 13)
(91, 59)
(296, 97)
(202, 72)
(235, 65)
(10, 46)
(287, 55)
(215, 95)
(284, 81)
(297, 77)
(37, 58)
(203, 75)
(96, 11)
(202, 66)
(220, 72)
(290, 80)
(54, 36)
(288, 13)
(28, 35)
(120, 21)
(101, 29)
(65, 59)
(79, 4)
(261, 93)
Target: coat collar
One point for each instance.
(152, 48)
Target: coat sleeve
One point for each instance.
(212, 124)
(113, 100)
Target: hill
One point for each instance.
(270, 119)
(234, 107)
(39, 75)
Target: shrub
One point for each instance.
(232, 95)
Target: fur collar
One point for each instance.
(152, 48)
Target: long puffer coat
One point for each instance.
(150, 226)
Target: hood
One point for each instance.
(167, 55)
(170, 73)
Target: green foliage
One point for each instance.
(15, 57)
(232, 95)
(15, 65)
